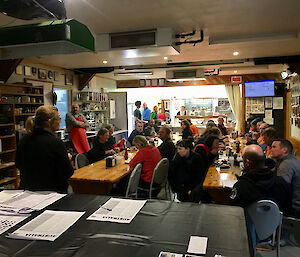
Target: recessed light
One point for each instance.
(105, 62)
(235, 71)
(236, 53)
(165, 58)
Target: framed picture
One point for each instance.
(33, 71)
(27, 71)
(69, 79)
(50, 74)
(56, 76)
(19, 70)
(42, 74)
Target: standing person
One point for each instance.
(137, 113)
(146, 112)
(149, 156)
(182, 111)
(41, 157)
(101, 147)
(76, 124)
(288, 167)
(154, 114)
(186, 132)
(138, 131)
(167, 148)
(221, 126)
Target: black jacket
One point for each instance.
(167, 149)
(186, 133)
(261, 184)
(43, 162)
(133, 134)
(208, 159)
(185, 174)
(97, 153)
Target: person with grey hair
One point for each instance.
(101, 148)
(76, 124)
(111, 141)
(258, 182)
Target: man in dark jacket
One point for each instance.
(258, 182)
(167, 149)
(138, 131)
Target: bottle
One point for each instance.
(125, 154)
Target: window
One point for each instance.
(62, 104)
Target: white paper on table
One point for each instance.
(168, 254)
(33, 200)
(277, 102)
(228, 183)
(197, 245)
(8, 221)
(118, 210)
(8, 194)
(47, 226)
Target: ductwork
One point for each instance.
(47, 38)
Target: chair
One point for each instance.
(266, 219)
(133, 182)
(160, 176)
(81, 160)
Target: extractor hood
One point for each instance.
(47, 38)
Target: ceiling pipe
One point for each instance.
(194, 42)
(182, 35)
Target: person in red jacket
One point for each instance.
(148, 156)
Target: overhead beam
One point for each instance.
(7, 67)
(84, 79)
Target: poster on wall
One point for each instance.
(278, 103)
(268, 102)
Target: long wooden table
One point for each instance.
(97, 179)
(213, 183)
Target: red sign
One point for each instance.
(236, 79)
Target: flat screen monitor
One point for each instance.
(259, 88)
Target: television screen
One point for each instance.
(259, 88)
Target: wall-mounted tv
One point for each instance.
(259, 88)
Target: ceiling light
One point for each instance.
(136, 73)
(235, 71)
(165, 58)
(105, 62)
(186, 79)
(236, 53)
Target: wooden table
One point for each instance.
(213, 183)
(97, 179)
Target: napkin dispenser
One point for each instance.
(110, 161)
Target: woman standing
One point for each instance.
(154, 114)
(41, 157)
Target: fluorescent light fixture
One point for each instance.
(247, 38)
(165, 58)
(136, 73)
(236, 53)
(186, 79)
(105, 62)
(235, 71)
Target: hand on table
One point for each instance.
(110, 152)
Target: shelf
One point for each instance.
(23, 94)
(20, 85)
(7, 124)
(25, 114)
(95, 111)
(4, 166)
(8, 136)
(91, 101)
(8, 151)
(30, 103)
(6, 180)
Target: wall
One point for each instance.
(98, 82)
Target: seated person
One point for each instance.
(41, 157)
(186, 132)
(186, 171)
(210, 124)
(167, 148)
(149, 156)
(288, 167)
(221, 126)
(208, 150)
(194, 129)
(260, 140)
(214, 131)
(101, 147)
(151, 129)
(269, 135)
(258, 182)
(138, 131)
(111, 141)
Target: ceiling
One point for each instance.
(263, 28)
